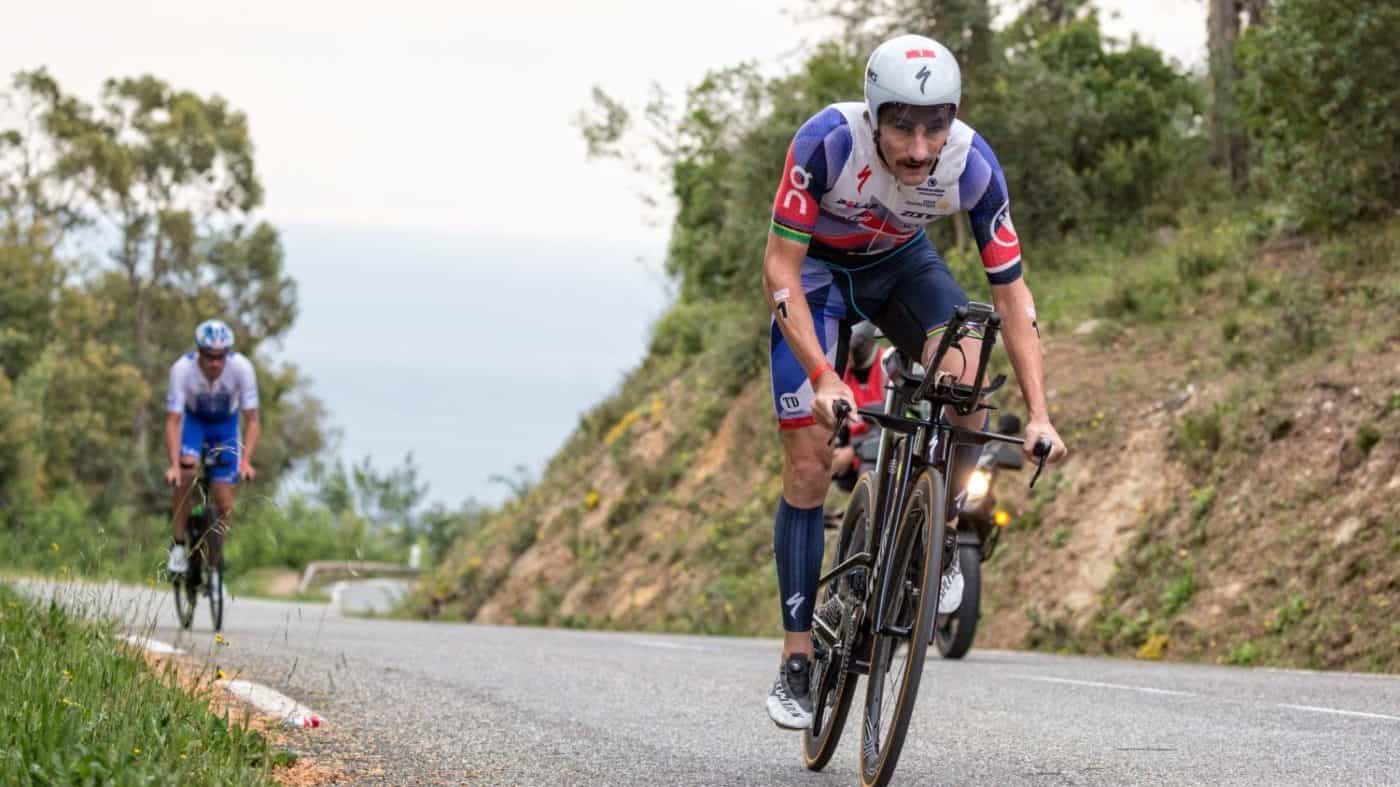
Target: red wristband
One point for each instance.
(819, 371)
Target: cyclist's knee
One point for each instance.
(806, 480)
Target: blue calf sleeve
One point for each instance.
(797, 545)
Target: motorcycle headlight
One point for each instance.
(977, 485)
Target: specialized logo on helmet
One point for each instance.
(862, 177)
(871, 75)
(923, 76)
(910, 54)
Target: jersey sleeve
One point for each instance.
(175, 395)
(983, 186)
(247, 385)
(814, 160)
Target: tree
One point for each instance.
(168, 177)
(1319, 99)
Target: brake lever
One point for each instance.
(1041, 452)
(842, 409)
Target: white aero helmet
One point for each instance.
(213, 335)
(913, 70)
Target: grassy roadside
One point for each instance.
(77, 708)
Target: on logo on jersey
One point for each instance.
(798, 180)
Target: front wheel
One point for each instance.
(834, 687)
(954, 632)
(186, 596)
(911, 573)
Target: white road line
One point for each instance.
(1096, 684)
(655, 643)
(1315, 709)
(274, 703)
(154, 646)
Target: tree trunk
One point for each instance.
(1229, 147)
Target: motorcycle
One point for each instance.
(980, 523)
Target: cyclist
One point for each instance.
(847, 243)
(866, 378)
(209, 387)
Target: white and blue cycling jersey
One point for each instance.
(839, 198)
(234, 390)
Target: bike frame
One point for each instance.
(925, 442)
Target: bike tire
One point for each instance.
(831, 703)
(953, 636)
(186, 597)
(187, 588)
(916, 558)
(216, 587)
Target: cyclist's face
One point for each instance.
(911, 139)
(212, 363)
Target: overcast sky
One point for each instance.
(440, 136)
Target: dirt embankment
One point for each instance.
(1234, 494)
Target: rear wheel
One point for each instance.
(897, 660)
(954, 633)
(834, 687)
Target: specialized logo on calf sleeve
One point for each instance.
(793, 603)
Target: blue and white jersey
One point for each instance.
(839, 197)
(234, 390)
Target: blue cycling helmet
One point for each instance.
(213, 335)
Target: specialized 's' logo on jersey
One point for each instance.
(923, 76)
(862, 177)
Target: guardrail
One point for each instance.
(351, 569)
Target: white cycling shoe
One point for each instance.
(177, 564)
(950, 588)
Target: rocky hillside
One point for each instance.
(1232, 402)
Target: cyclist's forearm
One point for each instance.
(252, 431)
(1017, 308)
(782, 286)
(172, 438)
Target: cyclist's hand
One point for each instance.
(1038, 429)
(172, 475)
(830, 389)
(246, 471)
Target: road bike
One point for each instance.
(203, 575)
(878, 600)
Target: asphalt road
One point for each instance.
(438, 703)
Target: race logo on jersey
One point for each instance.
(862, 177)
(1004, 248)
(1003, 231)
